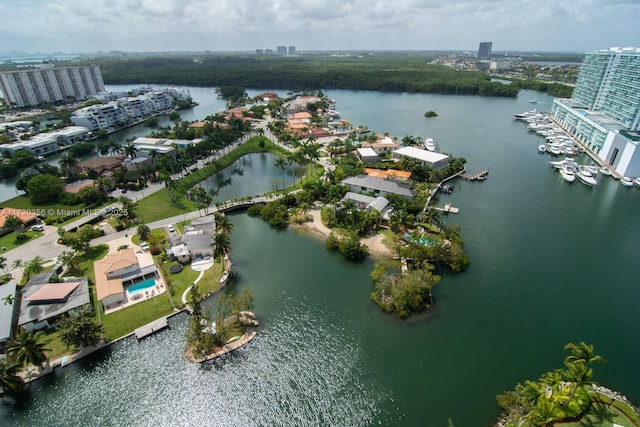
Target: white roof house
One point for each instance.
(367, 155)
(377, 186)
(428, 158)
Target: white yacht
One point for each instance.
(566, 161)
(567, 173)
(521, 116)
(542, 148)
(429, 144)
(556, 150)
(626, 181)
(586, 176)
(604, 171)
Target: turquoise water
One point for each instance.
(418, 239)
(139, 287)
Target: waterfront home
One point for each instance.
(367, 155)
(44, 302)
(8, 306)
(368, 203)
(196, 241)
(44, 144)
(377, 186)
(388, 173)
(426, 158)
(118, 269)
(382, 145)
(102, 165)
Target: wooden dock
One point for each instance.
(448, 209)
(480, 176)
(151, 328)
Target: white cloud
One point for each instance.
(144, 25)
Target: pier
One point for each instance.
(448, 208)
(480, 176)
(151, 328)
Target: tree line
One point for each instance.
(381, 73)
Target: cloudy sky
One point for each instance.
(179, 25)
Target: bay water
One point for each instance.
(551, 263)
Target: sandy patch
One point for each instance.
(318, 229)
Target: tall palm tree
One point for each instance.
(69, 164)
(10, 382)
(583, 353)
(281, 163)
(221, 244)
(29, 348)
(104, 148)
(223, 224)
(153, 155)
(131, 150)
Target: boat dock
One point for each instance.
(480, 176)
(448, 208)
(151, 328)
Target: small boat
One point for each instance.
(555, 150)
(636, 182)
(604, 171)
(567, 173)
(626, 181)
(225, 276)
(533, 101)
(542, 148)
(586, 176)
(429, 144)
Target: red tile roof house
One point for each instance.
(27, 217)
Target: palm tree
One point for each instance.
(221, 244)
(130, 150)
(223, 224)
(104, 148)
(69, 164)
(281, 163)
(153, 155)
(29, 348)
(10, 382)
(582, 353)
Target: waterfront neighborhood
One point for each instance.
(116, 246)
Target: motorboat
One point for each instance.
(586, 176)
(526, 114)
(542, 148)
(567, 173)
(566, 161)
(636, 182)
(429, 144)
(555, 149)
(224, 277)
(626, 181)
(604, 171)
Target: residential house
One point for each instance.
(377, 186)
(8, 308)
(427, 158)
(43, 303)
(382, 145)
(120, 269)
(102, 165)
(388, 173)
(368, 203)
(367, 155)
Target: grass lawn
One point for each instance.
(389, 239)
(55, 344)
(9, 241)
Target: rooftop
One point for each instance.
(33, 310)
(420, 154)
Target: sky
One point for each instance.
(85, 26)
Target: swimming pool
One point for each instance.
(142, 286)
(418, 239)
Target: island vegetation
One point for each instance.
(430, 113)
(566, 396)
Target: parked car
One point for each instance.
(144, 246)
(170, 228)
(37, 227)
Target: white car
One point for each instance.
(170, 228)
(144, 246)
(37, 227)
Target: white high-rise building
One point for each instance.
(25, 88)
(604, 110)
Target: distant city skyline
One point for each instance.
(75, 26)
